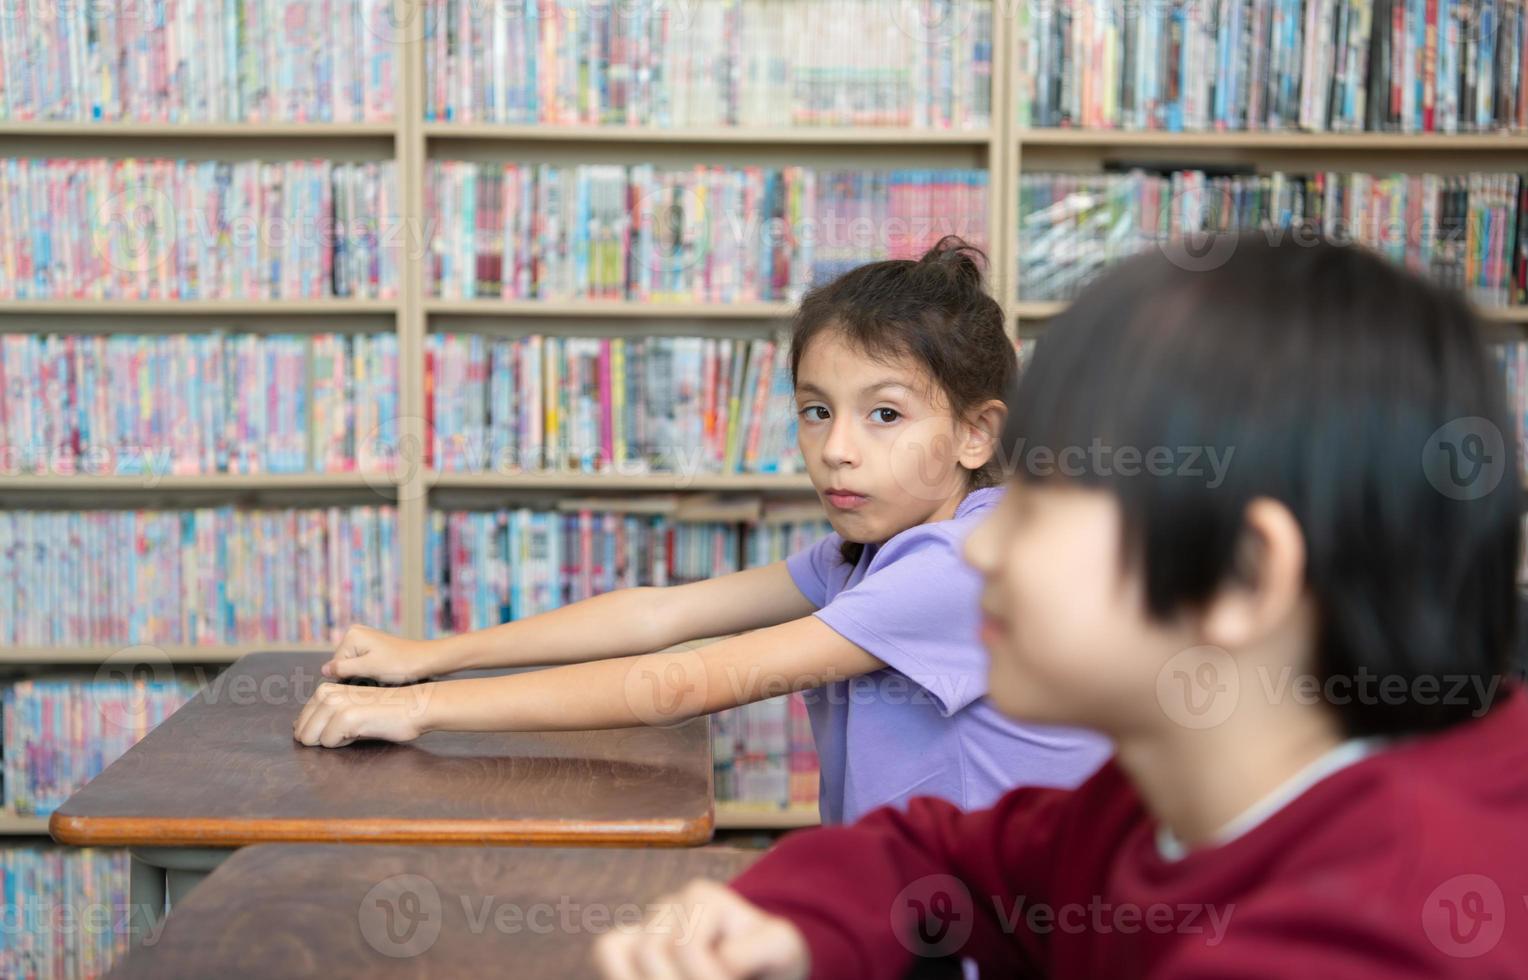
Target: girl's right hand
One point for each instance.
(365, 652)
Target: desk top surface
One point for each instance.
(341, 910)
(225, 770)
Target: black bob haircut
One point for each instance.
(1359, 395)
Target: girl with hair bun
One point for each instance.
(899, 368)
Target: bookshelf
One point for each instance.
(215, 130)
(748, 816)
(1003, 150)
(1086, 151)
(611, 309)
(16, 825)
(853, 136)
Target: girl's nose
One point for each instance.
(839, 448)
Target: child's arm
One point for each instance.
(615, 624)
(655, 689)
(868, 899)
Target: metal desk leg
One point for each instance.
(146, 897)
(161, 877)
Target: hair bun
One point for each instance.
(959, 258)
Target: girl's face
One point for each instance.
(1064, 621)
(881, 445)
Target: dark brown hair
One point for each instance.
(1348, 389)
(935, 311)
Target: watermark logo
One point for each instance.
(933, 23)
(933, 916)
(666, 688)
(392, 453)
(924, 456)
(678, 222)
(398, 21)
(1195, 242)
(1199, 687)
(135, 229)
(401, 916)
(1465, 916)
(144, 672)
(1465, 459)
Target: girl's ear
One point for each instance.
(983, 429)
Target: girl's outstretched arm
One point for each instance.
(615, 624)
(653, 689)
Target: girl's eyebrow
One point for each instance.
(807, 388)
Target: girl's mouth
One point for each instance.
(844, 500)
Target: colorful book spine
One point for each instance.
(208, 229)
(86, 726)
(658, 235)
(1463, 231)
(209, 576)
(155, 405)
(601, 405)
(490, 567)
(1443, 66)
(214, 61)
(68, 911)
(745, 63)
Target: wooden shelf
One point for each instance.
(1037, 310)
(610, 308)
(787, 135)
(16, 825)
(200, 307)
(200, 130)
(207, 481)
(1044, 310)
(173, 654)
(752, 816)
(672, 483)
(1282, 140)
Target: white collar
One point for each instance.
(1338, 757)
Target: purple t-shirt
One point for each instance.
(922, 725)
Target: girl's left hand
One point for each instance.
(338, 714)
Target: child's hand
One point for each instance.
(338, 714)
(705, 932)
(365, 652)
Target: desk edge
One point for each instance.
(181, 832)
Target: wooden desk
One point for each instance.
(224, 771)
(337, 910)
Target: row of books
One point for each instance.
(610, 404)
(1513, 359)
(1468, 231)
(228, 60)
(60, 734)
(219, 402)
(139, 228)
(205, 576)
(763, 754)
(483, 568)
(700, 234)
(911, 63)
(1340, 65)
(67, 911)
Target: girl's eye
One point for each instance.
(887, 415)
(815, 408)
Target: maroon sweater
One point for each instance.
(1412, 862)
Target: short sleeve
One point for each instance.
(809, 567)
(917, 610)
